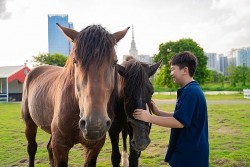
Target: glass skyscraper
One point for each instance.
(240, 57)
(57, 42)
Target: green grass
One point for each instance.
(227, 86)
(238, 96)
(229, 137)
(209, 87)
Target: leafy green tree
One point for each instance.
(169, 49)
(239, 74)
(215, 77)
(161, 78)
(232, 75)
(243, 74)
(50, 59)
(248, 76)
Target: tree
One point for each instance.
(169, 49)
(243, 72)
(50, 59)
(239, 74)
(215, 77)
(232, 75)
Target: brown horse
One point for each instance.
(72, 103)
(134, 91)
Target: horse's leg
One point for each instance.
(133, 158)
(30, 132)
(134, 155)
(125, 162)
(49, 148)
(92, 153)
(114, 132)
(60, 149)
(30, 129)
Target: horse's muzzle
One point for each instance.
(94, 129)
(140, 139)
(140, 143)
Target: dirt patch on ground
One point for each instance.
(226, 162)
(25, 162)
(227, 130)
(22, 162)
(221, 162)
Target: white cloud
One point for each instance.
(217, 25)
(4, 13)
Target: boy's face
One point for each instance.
(177, 74)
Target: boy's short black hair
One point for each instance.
(185, 59)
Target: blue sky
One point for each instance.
(216, 25)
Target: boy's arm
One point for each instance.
(157, 112)
(164, 113)
(165, 121)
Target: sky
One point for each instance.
(216, 25)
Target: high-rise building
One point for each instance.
(223, 63)
(134, 52)
(144, 58)
(232, 57)
(240, 57)
(243, 58)
(217, 62)
(56, 39)
(212, 62)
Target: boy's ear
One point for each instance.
(186, 70)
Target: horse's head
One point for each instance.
(93, 60)
(138, 91)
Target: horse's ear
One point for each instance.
(70, 33)
(153, 68)
(120, 34)
(121, 70)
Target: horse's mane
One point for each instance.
(135, 76)
(92, 45)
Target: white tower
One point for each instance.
(133, 51)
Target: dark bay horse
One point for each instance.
(72, 103)
(135, 91)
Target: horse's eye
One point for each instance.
(75, 61)
(114, 63)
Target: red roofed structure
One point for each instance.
(11, 82)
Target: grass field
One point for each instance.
(229, 136)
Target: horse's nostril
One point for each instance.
(108, 123)
(82, 124)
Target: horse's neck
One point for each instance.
(120, 86)
(66, 79)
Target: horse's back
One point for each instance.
(39, 92)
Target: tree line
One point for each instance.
(234, 75)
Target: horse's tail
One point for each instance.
(25, 111)
(125, 161)
(24, 103)
(30, 126)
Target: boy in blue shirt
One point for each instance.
(188, 143)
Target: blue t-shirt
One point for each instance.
(188, 146)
